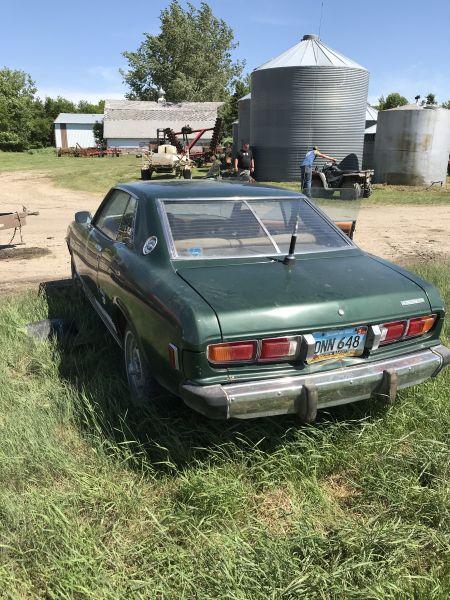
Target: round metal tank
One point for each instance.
(412, 145)
(235, 131)
(244, 110)
(308, 96)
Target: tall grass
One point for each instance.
(100, 501)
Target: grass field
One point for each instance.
(98, 501)
(99, 174)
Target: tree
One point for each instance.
(430, 100)
(446, 104)
(97, 129)
(392, 101)
(229, 110)
(190, 58)
(87, 107)
(17, 91)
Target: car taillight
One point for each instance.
(391, 332)
(420, 325)
(278, 348)
(231, 352)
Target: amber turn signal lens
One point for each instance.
(231, 352)
(420, 325)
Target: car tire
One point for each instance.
(143, 386)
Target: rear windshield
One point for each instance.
(219, 228)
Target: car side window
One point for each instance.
(126, 229)
(109, 218)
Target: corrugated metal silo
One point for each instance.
(235, 131)
(244, 111)
(309, 95)
(412, 145)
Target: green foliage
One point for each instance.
(17, 91)
(190, 58)
(102, 501)
(446, 104)
(392, 101)
(430, 100)
(27, 121)
(229, 110)
(97, 129)
(84, 106)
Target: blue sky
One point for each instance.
(74, 48)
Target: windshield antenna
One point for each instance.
(289, 259)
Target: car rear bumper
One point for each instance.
(305, 394)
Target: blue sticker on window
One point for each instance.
(195, 251)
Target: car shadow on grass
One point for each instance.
(168, 433)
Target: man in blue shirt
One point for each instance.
(306, 168)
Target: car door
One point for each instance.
(105, 227)
(111, 267)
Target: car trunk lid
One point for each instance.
(317, 292)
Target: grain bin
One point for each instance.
(412, 145)
(309, 95)
(244, 110)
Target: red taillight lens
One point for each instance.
(391, 332)
(231, 352)
(420, 325)
(278, 348)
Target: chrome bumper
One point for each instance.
(305, 394)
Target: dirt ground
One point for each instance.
(401, 233)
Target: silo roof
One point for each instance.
(310, 52)
(371, 113)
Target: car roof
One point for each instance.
(206, 188)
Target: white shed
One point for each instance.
(75, 128)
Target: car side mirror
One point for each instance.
(83, 217)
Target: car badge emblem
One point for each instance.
(341, 312)
(150, 245)
(412, 301)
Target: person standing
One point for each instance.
(306, 168)
(244, 163)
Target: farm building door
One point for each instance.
(63, 135)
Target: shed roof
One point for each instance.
(83, 118)
(310, 52)
(138, 119)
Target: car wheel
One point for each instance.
(140, 381)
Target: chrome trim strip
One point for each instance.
(104, 316)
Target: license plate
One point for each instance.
(339, 343)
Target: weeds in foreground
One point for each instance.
(98, 501)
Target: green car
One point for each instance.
(247, 300)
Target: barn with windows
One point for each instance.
(75, 128)
(132, 124)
